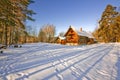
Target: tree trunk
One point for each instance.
(6, 37)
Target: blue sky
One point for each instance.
(63, 13)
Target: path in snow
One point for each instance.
(42, 61)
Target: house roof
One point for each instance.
(84, 33)
(62, 38)
(81, 33)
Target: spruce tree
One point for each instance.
(108, 30)
(13, 14)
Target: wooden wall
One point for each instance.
(71, 37)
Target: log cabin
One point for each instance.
(78, 37)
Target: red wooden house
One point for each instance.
(77, 37)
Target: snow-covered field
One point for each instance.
(42, 61)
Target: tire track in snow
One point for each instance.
(32, 66)
(68, 54)
(75, 70)
(7, 63)
(97, 60)
(64, 61)
(43, 64)
(52, 51)
(55, 52)
(76, 62)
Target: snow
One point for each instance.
(42, 61)
(84, 33)
(62, 38)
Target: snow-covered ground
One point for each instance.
(42, 61)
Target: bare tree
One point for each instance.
(42, 36)
(48, 31)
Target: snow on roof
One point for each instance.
(62, 38)
(82, 33)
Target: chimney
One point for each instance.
(81, 29)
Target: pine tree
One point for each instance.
(108, 30)
(13, 13)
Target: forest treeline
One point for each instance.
(14, 13)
